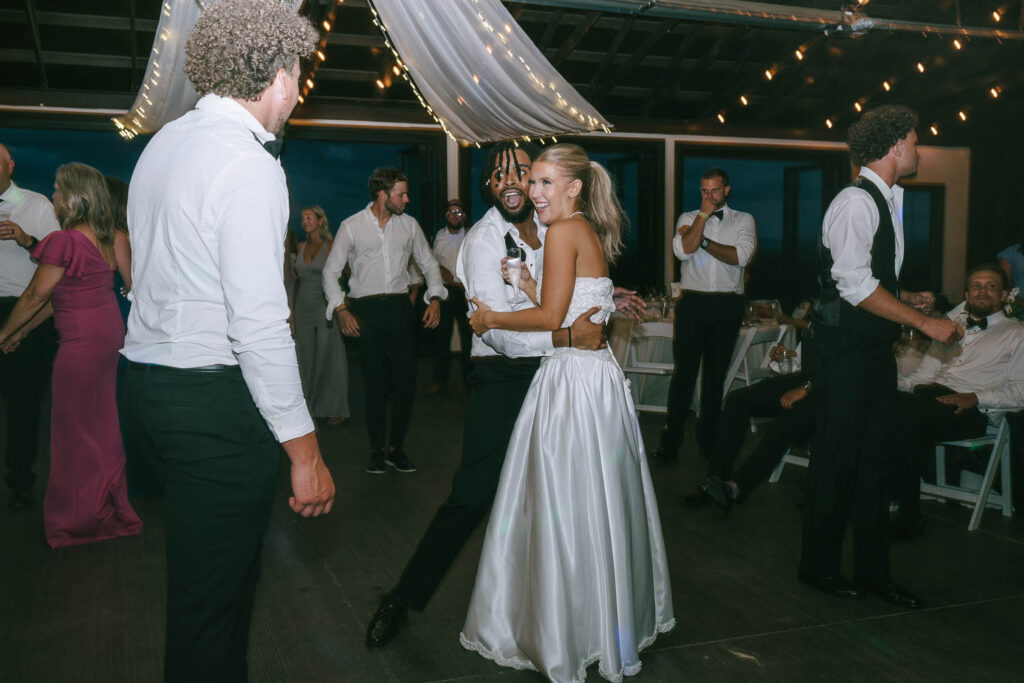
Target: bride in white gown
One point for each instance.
(573, 566)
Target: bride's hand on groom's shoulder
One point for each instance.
(479, 320)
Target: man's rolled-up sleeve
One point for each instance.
(251, 220)
(479, 267)
(849, 231)
(333, 267)
(746, 240)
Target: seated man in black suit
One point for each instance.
(956, 390)
(783, 397)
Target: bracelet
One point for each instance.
(569, 330)
(703, 215)
(32, 242)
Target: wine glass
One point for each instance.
(513, 264)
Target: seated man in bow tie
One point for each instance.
(956, 390)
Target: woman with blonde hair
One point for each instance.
(319, 344)
(573, 568)
(86, 496)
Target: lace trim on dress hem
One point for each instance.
(581, 671)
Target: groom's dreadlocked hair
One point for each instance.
(502, 155)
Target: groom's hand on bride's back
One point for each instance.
(588, 335)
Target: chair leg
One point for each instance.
(777, 472)
(986, 484)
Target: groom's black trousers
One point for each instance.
(497, 389)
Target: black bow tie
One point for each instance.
(717, 214)
(273, 146)
(980, 323)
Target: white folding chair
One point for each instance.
(998, 438)
(643, 335)
(740, 370)
(788, 459)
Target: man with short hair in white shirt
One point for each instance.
(25, 218)
(447, 241)
(715, 244)
(213, 386)
(956, 391)
(378, 243)
(856, 322)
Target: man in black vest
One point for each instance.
(857, 320)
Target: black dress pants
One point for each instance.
(23, 378)
(453, 312)
(218, 462)
(497, 389)
(854, 391)
(920, 422)
(387, 348)
(705, 329)
(760, 400)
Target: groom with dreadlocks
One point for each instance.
(503, 367)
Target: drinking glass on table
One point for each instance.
(514, 264)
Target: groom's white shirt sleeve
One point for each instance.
(479, 267)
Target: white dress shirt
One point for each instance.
(379, 259)
(208, 210)
(479, 268)
(446, 248)
(34, 214)
(988, 363)
(702, 272)
(848, 231)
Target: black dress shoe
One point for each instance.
(833, 585)
(698, 498)
(719, 493)
(892, 594)
(387, 621)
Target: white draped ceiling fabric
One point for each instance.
(166, 93)
(478, 73)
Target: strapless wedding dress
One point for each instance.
(573, 566)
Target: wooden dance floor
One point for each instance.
(95, 613)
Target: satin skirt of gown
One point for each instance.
(573, 568)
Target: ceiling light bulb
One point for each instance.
(721, 118)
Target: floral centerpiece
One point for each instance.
(1014, 306)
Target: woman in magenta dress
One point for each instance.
(86, 496)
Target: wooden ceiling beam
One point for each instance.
(575, 37)
(662, 29)
(37, 43)
(76, 20)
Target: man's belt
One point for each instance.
(372, 297)
(205, 369)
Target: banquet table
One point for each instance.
(651, 342)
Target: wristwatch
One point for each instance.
(806, 386)
(704, 243)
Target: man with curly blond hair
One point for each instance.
(857, 319)
(213, 387)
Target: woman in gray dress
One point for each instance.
(318, 342)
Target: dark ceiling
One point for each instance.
(643, 72)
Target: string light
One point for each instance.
(920, 67)
(744, 100)
(326, 25)
(994, 92)
(886, 86)
(721, 117)
(309, 83)
(320, 55)
(933, 129)
(957, 44)
(996, 16)
(301, 99)
(768, 74)
(963, 116)
(828, 123)
(799, 55)
(380, 84)
(856, 105)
